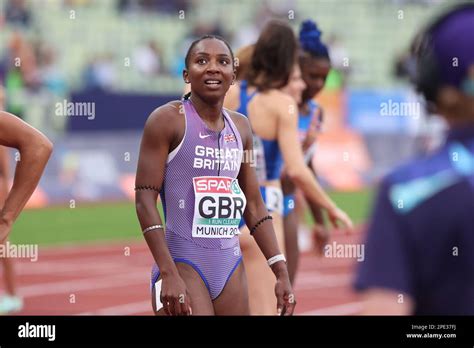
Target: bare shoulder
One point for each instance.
(165, 113)
(279, 98)
(282, 104)
(166, 118)
(238, 118)
(242, 123)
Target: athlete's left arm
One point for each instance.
(320, 230)
(255, 210)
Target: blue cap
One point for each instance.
(453, 47)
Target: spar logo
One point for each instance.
(214, 185)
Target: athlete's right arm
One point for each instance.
(158, 135)
(296, 167)
(35, 150)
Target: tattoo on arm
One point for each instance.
(147, 187)
(268, 217)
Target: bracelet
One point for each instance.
(274, 259)
(151, 228)
(268, 217)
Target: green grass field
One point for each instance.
(115, 221)
(356, 204)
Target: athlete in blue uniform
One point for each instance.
(315, 65)
(419, 253)
(273, 117)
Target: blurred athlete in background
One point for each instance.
(315, 64)
(273, 118)
(35, 150)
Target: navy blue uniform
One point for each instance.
(421, 237)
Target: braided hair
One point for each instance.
(310, 40)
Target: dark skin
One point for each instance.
(314, 71)
(183, 291)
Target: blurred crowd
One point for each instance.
(32, 63)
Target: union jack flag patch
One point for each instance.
(229, 138)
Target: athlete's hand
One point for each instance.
(286, 301)
(337, 215)
(321, 236)
(310, 138)
(5, 228)
(174, 296)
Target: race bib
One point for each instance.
(219, 204)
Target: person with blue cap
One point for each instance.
(419, 252)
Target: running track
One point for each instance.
(113, 279)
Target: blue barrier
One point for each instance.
(115, 111)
